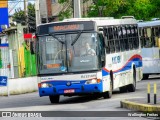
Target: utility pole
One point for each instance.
(26, 13)
(38, 18)
(77, 8)
(46, 12)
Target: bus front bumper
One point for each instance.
(71, 90)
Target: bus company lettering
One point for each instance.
(66, 27)
(88, 76)
(116, 59)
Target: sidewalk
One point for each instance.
(20, 86)
(141, 105)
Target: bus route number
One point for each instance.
(116, 59)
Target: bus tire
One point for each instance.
(108, 94)
(132, 87)
(123, 89)
(54, 98)
(145, 76)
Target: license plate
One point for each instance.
(69, 91)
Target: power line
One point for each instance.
(14, 6)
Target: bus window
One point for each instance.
(135, 40)
(158, 35)
(137, 37)
(117, 42)
(102, 50)
(111, 40)
(130, 37)
(106, 40)
(153, 37)
(148, 38)
(122, 35)
(126, 39)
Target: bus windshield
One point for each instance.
(75, 53)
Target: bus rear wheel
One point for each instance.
(145, 76)
(54, 98)
(123, 89)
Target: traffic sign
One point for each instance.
(3, 80)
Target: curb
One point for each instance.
(140, 107)
(20, 86)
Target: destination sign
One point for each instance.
(59, 27)
(71, 27)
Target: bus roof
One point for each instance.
(149, 23)
(101, 21)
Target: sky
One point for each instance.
(15, 4)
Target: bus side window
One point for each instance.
(102, 49)
(148, 38)
(136, 36)
(156, 37)
(111, 40)
(130, 38)
(106, 40)
(153, 39)
(143, 37)
(158, 34)
(126, 39)
(117, 43)
(121, 37)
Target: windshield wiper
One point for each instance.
(51, 34)
(75, 40)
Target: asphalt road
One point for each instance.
(32, 102)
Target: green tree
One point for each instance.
(31, 17)
(67, 10)
(140, 9)
(155, 10)
(104, 8)
(20, 17)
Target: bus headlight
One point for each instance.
(92, 81)
(46, 85)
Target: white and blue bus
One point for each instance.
(88, 55)
(150, 43)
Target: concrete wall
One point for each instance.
(20, 86)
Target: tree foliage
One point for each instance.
(140, 9)
(20, 17)
(66, 12)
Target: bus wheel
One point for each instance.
(132, 87)
(145, 76)
(54, 98)
(108, 94)
(123, 89)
